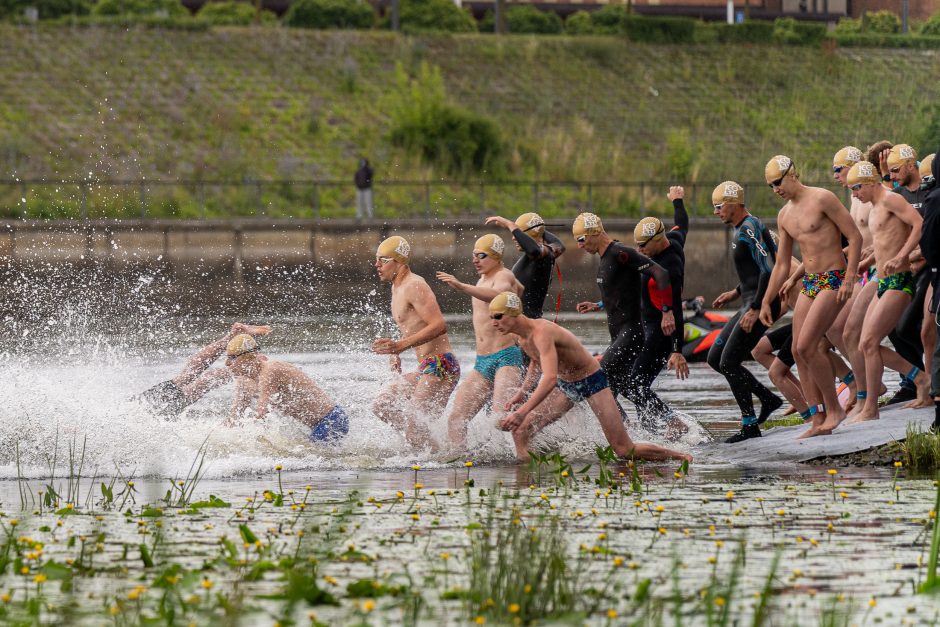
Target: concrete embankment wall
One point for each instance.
(288, 267)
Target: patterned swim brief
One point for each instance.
(815, 283)
(487, 365)
(902, 282)
(443, 366)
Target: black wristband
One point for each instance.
(885, 177)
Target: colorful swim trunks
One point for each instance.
(814, 283)
(331, 427)
(902, 282)
(577, 391)
(442, 366)
(487, 365)
(865, 276)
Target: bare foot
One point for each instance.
(922, 381)
(863, 416)
(813, 429)
(250, 329)
(831, 422)
(850, 404)
(789, 410)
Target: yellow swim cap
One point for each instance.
(728, 192)
(863, 173)
(778, 167)
(506, 303)
(901, 154)
(587, 224)
(647, 229)
(490, 244)
(396, 247)
(531, 224)
(926, 166)
(847, 157)
(241, 344)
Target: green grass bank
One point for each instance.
(244, 104)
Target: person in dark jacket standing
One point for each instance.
(365, 207)
(540, 248)
(930, 249)
(667, 248)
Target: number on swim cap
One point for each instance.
(866, 169)
(513, 301)
(907, 152)
(783, 163)
(854, 154)
(590, 221)
(403, 248)
(649, 229)
(535, 221)
(731, 190)
(497, 245)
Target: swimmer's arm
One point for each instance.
(244, 392)
(780, 270)
(548, 360)
(531, 248)
(909, 216)
(425, 305)
(265, 387)
(555, 244)
(680, 217)
(506, 282)
(836, 211)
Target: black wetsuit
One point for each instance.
(657, 346)
(906, 334)
(930, 248)
(534, 270)
(754, 253)
(619, 280)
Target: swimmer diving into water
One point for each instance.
(283, 387)
(170, 398)
(569, 374)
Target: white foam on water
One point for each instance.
(73, 384)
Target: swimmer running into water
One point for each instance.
(815, 219)
(281, 386)
(570, 374)
(497, 373)
(196, 379)
(422, 326)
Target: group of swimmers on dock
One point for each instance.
(530, 371)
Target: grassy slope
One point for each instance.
(278, 103)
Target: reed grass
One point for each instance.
(920, 450)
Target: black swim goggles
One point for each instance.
(497, 316)
(480, 255)
(779, 181)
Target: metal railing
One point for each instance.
(326, 199)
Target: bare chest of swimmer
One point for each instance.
(809, 223)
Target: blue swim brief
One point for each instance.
(577, 391)
(487, 365)
(331, 427)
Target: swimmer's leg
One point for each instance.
(605, 408)
(814, 317)
(883, 314)
(506, 383)
(472, 394)
(555, 405)
(429, 399)
(389, 404)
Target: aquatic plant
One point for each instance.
(920, 449)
